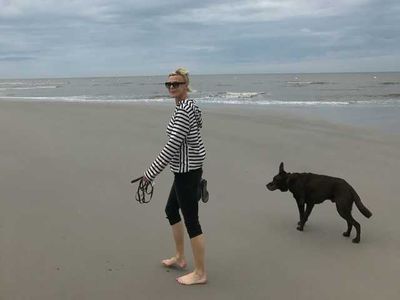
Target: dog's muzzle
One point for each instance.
(271, 186)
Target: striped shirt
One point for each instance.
(184, 150)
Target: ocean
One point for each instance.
(359, 99)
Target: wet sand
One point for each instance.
(71, 229)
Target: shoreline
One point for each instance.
(380, 119)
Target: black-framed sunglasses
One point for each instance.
(174, 84)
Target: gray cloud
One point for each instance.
(104, 37)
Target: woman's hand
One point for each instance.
(146, 180)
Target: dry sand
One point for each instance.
(71, 229)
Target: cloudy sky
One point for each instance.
(56, 38)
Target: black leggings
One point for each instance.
(184, 196)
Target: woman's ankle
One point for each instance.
(180, 256)
(199, 272)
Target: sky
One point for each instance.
(78, 38)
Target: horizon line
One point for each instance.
(199, 74)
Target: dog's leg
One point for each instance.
(358, 229)
(300, 224)
(349, 227)
(308, 212)
(345, 213)
(304, 216)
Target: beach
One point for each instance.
(70, 227)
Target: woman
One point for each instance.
(185, 153)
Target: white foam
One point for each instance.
(299, 82)
(384, 102)
(206, 100)
(81, 99)
(240, 94)
(272, 102)
(12, 83)
(30, 87)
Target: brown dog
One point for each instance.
(310, 189)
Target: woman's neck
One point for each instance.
(179, 100)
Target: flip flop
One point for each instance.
(203, 191)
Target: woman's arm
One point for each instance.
(179, 131)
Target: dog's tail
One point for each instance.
(365, 211)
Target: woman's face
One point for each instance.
(177, 87)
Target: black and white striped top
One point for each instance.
(184, 150)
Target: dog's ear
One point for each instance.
(281, 170)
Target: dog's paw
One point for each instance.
(346, 234)
(299, 228)
(356, 240)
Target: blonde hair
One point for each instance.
(184, 73)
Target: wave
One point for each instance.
(390, 82)
(83, 99)
(303, 83)
(378, 102)
(391, 95)
(205, 100)
(385, 96)
(299, 82)
(12, 83)
(319, 82)
(30, 87)
(240, 94)
(375, 102)
(273, 102)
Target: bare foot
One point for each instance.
(192, 278)
(174, 262)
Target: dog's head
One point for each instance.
(280, 181)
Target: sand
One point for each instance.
(71, 229)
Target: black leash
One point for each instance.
(144, 188)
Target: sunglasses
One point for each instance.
(175, 84)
